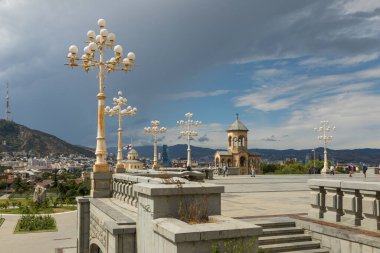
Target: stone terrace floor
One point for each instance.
(244, 197)
(266, 195)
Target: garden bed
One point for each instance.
(35, 223)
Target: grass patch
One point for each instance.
(30, 195)
(1, 221)
(35, 223)
(48, 210)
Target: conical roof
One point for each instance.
(132, 151)
(237, 126)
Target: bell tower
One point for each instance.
(237, 144)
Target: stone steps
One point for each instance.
(283, 239)
(281, 231)
(286, 247)
(310, 251)
(282, 235)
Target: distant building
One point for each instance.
(182, 162)
(237, 155)
(133, 161)
(165, 156)
(39, 164)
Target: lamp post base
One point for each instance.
(324, 171)
(119, 168)
(100, 168)
(100, 184)
(156, 166)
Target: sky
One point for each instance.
(282, 65)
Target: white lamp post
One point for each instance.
(118, 111)
(325, 128)
(155, 130)
(187, 123)
(98, 43)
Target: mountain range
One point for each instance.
(367, 155)
(18, 138)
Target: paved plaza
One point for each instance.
(265, 195)
(245, 196)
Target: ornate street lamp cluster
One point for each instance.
(189, 133)
(324, 129)
(117, 110)
(155, 130)
(98, 43)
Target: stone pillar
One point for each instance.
(83, 225)
(371, 210)
(334, 209)
(317, 202)
(352, 206)
(101, 184)
(166, 200)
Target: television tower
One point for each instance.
(8, 110)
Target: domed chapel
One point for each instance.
(237, 158)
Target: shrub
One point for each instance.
(35, 222)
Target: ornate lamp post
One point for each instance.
(187, 123)
(118, 111)
(325, 128)
(98, 43)
(155, 130)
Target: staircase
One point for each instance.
(284, 236)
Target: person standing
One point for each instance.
(224, 170)
(253, 171)
(365, 170)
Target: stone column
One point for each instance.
(83, 225)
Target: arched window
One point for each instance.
(229, 141)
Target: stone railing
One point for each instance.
(123, 190)
(349, 202)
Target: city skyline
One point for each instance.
(283, 67)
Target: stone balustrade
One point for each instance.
(352, 203)
(123, 187)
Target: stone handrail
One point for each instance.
(352, 203)
(123, 184)
(122, 187)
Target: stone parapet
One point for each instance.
(173, 235)
(350, 202)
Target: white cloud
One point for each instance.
(344, 61)
(199, 94)
(354, 6)
(294, 92)
(272, 72)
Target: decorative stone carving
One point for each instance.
(98, 230)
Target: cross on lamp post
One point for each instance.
(98, 43)
(118, 111)
(187, 123)
(155, 130)
(325, 128)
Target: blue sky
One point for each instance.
(282, 65)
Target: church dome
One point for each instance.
(133, 155)
(237, 126)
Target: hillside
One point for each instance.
(18, 138)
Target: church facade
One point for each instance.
(237, 156)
